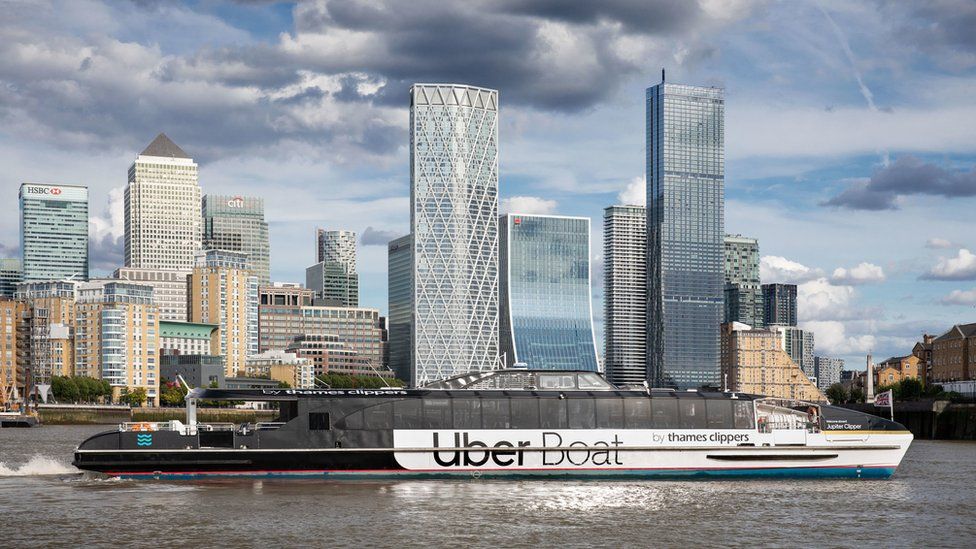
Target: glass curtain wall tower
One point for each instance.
(53, 232)
(743, 293)
(685, 228)
(546, 317)
(236, 223)
(454, 222)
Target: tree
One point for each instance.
(911, 389)
(838, 394)
(171, 394)
(857, 395)
(135, 397)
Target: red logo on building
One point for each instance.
(55, 191)
(518, 221)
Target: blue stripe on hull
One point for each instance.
(785, 472)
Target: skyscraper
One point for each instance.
(546, 316)
(162, 209)
(827, 370)
(454, 222)
(799, 345)
(625, 293)
(779, 304)
(685, 225)
(743, 293)
(236, 223)
(337, 246)
(54, 232)
(333, 278)
(399, 321)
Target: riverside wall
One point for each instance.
(928, 419)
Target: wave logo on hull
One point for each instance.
(144, 440)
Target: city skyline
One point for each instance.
(866, 281)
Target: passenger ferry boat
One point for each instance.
(507, 423)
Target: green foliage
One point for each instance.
(343, 381)
(838, 394)
(133, 398)
(284, 385)
(857, 395)
(79, 389)
(171, 393)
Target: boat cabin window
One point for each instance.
(609, 413)
(582, 413)
(378, 416)
(552, 413)
(318, 421)
(550, 382)
(744, 414)
(591, 381)
(637, 413)
(467, 413)
(408, 414)
(525, 413)
(495, 413)
(692, 413)
(665, 413)
(719, 414)
(437, 413)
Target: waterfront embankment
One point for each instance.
(88, 414)
(931, 419)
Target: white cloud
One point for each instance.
(830, 338)
(960, 297)
(635, 193)
(820, 300)
(779, 270)
(864, 273)
(961, 267)
(938, 243)
(527, 205)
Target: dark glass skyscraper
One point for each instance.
(236, 223)
(685, 228)
(400, 318)
(779, 301)
(546, 318)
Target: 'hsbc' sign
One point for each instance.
(55, 192)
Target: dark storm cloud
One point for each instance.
(906, 176)
(377, 237)
(329, 81)
(644, 16)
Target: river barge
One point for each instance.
(511, 424)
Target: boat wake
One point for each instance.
(38, 465)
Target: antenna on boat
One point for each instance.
(377, 372)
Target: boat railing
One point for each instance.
(171, 425)
(268, 425)
(216, 426)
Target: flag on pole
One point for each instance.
(885, 400)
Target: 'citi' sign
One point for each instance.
(236, 202)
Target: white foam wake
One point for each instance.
(37, 465)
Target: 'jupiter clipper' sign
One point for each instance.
(534, 449)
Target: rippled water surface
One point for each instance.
(44, 501)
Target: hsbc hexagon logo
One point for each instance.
(55, 191)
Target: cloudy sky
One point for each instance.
(850, 126)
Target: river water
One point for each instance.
(44, 501)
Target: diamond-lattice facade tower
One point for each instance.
(454, 222)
